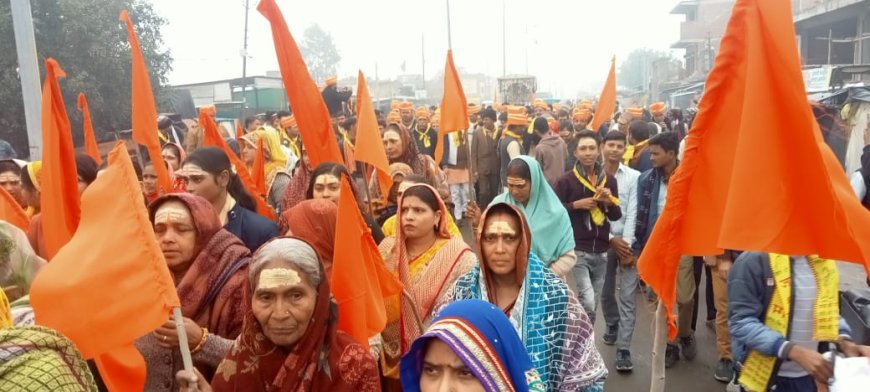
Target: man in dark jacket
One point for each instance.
(485, 169)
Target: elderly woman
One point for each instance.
(290, 341)
(471, 346)
(210, 269)
(552, 236)
(428, 260)
(547, 317)
(401, 148)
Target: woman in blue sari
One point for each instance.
(529, 192)
(550, 322)
(471, 346)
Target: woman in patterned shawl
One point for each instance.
(428, 260)
(470, 338)
(548, 318)
(210, 269)
(290, 341)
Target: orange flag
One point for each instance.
(454, 108)
(360, 280)
(607, 99)
(11, 211)
(69, 294)
(738, 186)
(212, 137)
(239, 131)
(144, 112)
(369, 147)
(312, 116)
(60, 190)
(91, 147)
(258, 172)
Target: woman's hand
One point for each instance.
(167, 337)
(472, 213)
(191, 381)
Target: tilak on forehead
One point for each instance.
(392, 135)
(9, 177)
(325, 179)
(516, 181)
(500, 226)
(271, 278)
(190, 170)
(173, 212)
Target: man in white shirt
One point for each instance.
(620, 279)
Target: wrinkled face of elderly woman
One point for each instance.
(283, 302)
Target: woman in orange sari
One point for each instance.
(428, 260)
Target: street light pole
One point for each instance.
(28, 72)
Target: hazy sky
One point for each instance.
(568, 43)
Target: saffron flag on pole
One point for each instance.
(607, 99)
(91, 147)
(739, 186)
(258, 171)
(59, 195)
(312, 116)
(360, 280)
(454, 107)
(369, 145)
(144, 111)
(69, 294)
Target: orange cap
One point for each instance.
(332, 81)
(473, 109)
(581, 114)
(658, 108)
(406, 106)
(422, 111)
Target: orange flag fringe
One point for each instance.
(11, 211)
(212, 137)
(312, 116)
(258, 172)
(60, 190)
(369, 147)
(144, 111)
(712, 205)
(91, 147)
(607, 99)
(454, 107)
(69, 294)
(360, 280)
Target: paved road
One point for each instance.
(696, 375)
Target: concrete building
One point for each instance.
(700, 33)
(834, 41)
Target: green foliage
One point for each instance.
(90, 43)
(319, 53)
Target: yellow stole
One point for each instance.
(513, 135)
(758, 369)
(629, 151)
(294, 145)
(424, 137)
(596, 213)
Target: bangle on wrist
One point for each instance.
(201, 341)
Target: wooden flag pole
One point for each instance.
(657, 383)
(182, 342)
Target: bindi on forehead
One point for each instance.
(271, 278)
(326, 179)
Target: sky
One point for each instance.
(567, 44)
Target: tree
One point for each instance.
(637, 69)
(319, 52)
(90, 44)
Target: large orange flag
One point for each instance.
(91, 147)
(369, 147)
(739, 186)
(60, 190)
(360, 280)
(144, 111)
(454, 107)
(69, 294)
(312, 116)
(11, 211)
(212, 137)
(258, 171)
(607, 99)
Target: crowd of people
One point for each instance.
(558, 215)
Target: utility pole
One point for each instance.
(449, 36)
(28, 72)
(503, 38)
(423, 58)
(245, 56)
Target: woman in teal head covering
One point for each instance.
(552, 236)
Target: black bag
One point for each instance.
(855, 308)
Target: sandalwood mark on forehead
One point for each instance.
(500, 227)
(172, 212)
(271, 278)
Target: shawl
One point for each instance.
(550, 226)
(452, 259)
(314, 222)
(212, 291)
(324, 358)
(551, 323)
(480, 335)
(277, 160)
(38, 358)
(295, 192)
